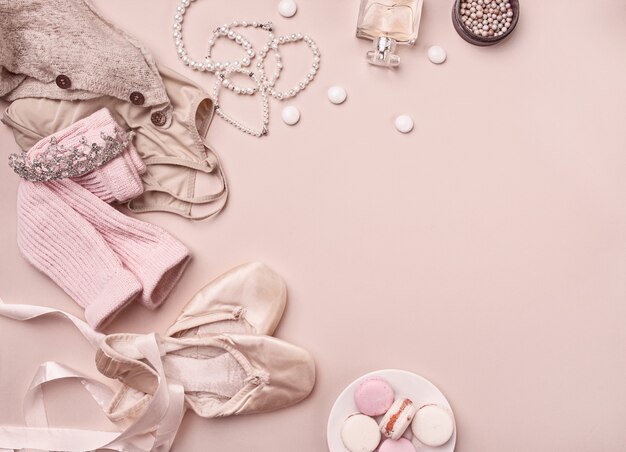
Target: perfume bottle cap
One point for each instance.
(383, 53)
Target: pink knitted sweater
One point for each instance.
(41, 40)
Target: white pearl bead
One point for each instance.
(404, 123)
(337, 95)
(287, 8)
(290, 115)
(436, 54)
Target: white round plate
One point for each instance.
(405, 384)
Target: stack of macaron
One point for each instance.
(432, 425)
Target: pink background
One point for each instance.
(485, 251)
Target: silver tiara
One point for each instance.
(60, 162)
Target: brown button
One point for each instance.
(158, 118)
(63, 81)
(137, 98)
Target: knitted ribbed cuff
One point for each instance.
(161, 270)
(133, 159)
(117, 293)
(117, 181)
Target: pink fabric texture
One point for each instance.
(100, 257)
(117, 181)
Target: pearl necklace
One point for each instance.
(273, 45)
(224, 69)
(220, 67)
(222, 81)
(228, 30)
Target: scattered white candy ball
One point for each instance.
(404, 123)
(436, 54)
(287, 8)
(337, 95)
(291, 115)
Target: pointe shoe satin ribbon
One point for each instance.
(154, 429)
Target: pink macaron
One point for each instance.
(373, 396)
(400, 445)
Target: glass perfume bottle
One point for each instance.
(387, 23)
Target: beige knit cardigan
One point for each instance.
(41, 40)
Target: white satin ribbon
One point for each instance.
(154, 430)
